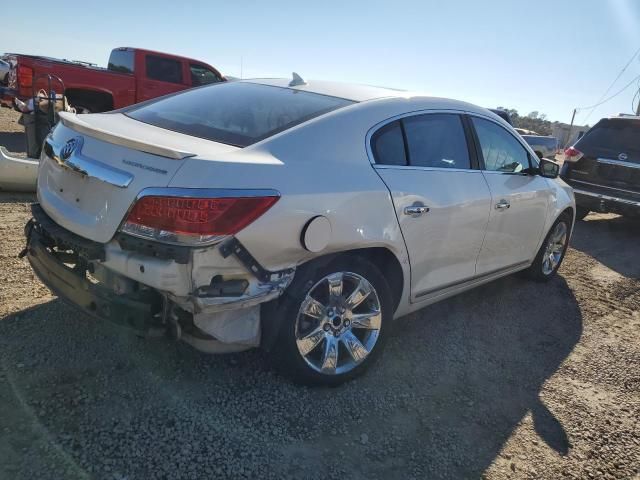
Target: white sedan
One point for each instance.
(300, 217)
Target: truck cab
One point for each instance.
(133, 75)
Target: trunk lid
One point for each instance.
(94, 166)
(611, 157)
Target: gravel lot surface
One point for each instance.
(511, 380)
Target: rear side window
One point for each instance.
(388, 145)
(121, 61)
(163, 69)
(612, 137)
(236, 113)
(201, 75)
(437, 140)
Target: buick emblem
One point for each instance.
(71, 146)
(622, 157)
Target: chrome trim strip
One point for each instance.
(619, 163)
(207, 192)
(428, 169)
(91, 168)
(607, 197)
(473, 279)
(603, 186)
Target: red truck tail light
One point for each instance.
(25, 76)
(572, 154)
(193, 220)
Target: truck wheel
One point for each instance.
(335, 320)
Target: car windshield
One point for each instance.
(238, 113)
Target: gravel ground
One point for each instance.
(511, 380)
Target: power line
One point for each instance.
(609, 98)
(611, 85)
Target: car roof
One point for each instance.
(348, 91)
(364, 93)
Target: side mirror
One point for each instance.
(539, 154)
(549, 168)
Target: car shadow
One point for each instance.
(455, 380)
(607, 238)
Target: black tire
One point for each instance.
(581, 212)
(288, 358)
(536, 271)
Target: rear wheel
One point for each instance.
(552, 251)
(581, 212)
(335, 322)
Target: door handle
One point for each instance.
(416, 210)
(502, 205)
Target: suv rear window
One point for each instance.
(611, 137)
(238, 113)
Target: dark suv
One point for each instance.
(603, 167)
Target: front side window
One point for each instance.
(388, 145)
(500, 150)
(163, 69)
(201, 75)
(437, 140)
(236, 113)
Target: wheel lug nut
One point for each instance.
(326, 327)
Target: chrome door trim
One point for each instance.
(427, 169)
(87, 167)
(619, 163)
(484, 276)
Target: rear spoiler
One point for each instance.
(76, 123)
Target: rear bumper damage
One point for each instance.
(140, 286)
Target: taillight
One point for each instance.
(193, 220)
(572, 154)
(25, 76)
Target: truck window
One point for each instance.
(121, 61)
(201, 75)
(163, 69)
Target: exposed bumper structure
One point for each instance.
(217, 318)
(71, 284)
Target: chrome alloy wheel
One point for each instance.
(555, 248)
(338, 323)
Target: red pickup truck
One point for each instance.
(132, 75)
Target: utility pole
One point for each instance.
(573, 117)
(638, 107)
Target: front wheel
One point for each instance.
(335, 321)
(552, 251)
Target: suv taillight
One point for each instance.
(572, 154)
(193, 220)
(25, 76)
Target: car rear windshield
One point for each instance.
(612, 136)
(235, 113)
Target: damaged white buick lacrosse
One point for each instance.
(299, 217)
